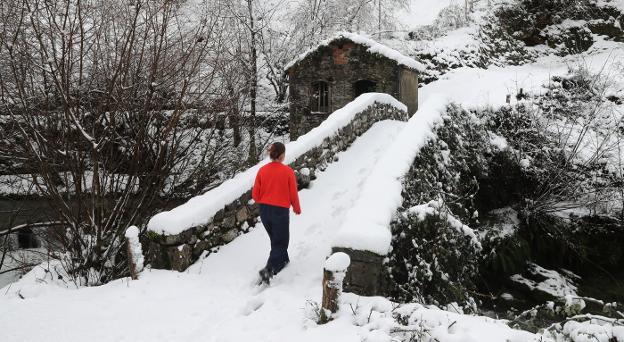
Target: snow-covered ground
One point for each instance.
(215, 300)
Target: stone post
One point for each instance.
(134, 252)
(333, 275)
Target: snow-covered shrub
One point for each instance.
(439, 61)
(450, 18)
(431, 260)
(565, 25)
(435, 257)
(499, 47)
(566, 142)
(569, 39)
(449, 167)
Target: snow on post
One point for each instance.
(366, 225)
(199, 210)
(134, 251)
(333, 276)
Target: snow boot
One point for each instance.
(265, 276)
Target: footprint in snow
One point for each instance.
(252, 306)
(339, 194)
(337, 211)
(311, 229)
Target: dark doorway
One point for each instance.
(320, 97)
(364, 86)
(26, 239)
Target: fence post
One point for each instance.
(134, 252)
(333, 275)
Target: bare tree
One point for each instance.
(101, 94)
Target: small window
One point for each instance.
(320, 97)
(364, 86)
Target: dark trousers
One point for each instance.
(275, 221)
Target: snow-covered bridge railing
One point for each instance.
(178, 237)
(365, 234)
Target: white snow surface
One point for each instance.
(366, 226)
(200, 210)
(373, 47)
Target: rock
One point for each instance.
(254, 210)
(246, 197)
(181, 257)
(232, 206)
(174, 240)
(303, 178)
(218, 215)
(229, 221)
(200, 247)
(176, 258)
(230, 235)
(203, 229)
(242, 214)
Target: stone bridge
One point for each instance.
(178, 237)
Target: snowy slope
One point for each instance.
(476, 87)
(421, 12)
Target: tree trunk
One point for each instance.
(333, 276)
(331, 292)
(131, 265)
(253, 82)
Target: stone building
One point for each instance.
(340, 69)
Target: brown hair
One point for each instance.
(276, 150)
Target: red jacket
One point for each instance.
(276, 185)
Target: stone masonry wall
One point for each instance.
(177, 252)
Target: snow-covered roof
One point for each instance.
(373, 47)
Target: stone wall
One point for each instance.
(177, 252)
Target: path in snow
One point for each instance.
(214, 299)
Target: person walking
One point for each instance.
(275, 190)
